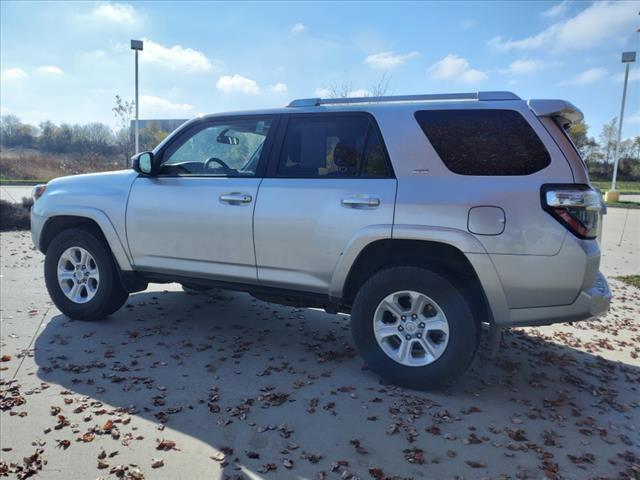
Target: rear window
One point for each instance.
(484, 142)
(332, 146)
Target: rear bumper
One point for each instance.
(591, 302)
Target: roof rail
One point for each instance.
(479, 96)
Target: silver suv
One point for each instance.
(422, 216)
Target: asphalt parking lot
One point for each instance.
(221, 385)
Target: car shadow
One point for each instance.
(273, 382)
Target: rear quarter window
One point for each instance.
(484, 142)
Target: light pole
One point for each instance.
(627, 58)
(136, 45)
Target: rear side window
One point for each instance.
(484, 142)
(332, 146)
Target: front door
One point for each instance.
(195, 217)
(330, 181)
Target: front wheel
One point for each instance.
(413, 327)
(81, 276)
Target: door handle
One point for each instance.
(360, 201)
(235, 198)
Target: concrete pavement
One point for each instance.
(621, 242)
(248, 389)
(14, 193)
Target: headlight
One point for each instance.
(38, 190)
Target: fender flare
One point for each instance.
(119, 251)
(465, 242)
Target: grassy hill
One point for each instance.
(29, 164)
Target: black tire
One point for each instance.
(109, 296)
(464, 330)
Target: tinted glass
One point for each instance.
(230, 148)
(484, 142)
(345, 146)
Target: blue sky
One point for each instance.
(67, 61)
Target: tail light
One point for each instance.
(577, 207)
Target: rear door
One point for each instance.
(329, 179)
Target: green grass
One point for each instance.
(21, 181)
(633, 280)
(623, 187)
(623, 204)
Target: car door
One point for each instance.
(329, 179)
(195, 217)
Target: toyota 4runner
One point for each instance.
(422, 216)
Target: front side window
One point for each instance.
(484, 142)
(227, 148)
(340, 146)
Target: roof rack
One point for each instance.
(479, 96)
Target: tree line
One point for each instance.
(94, 139)
(599, 154)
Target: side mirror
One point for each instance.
(144, 163)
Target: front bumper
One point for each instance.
(592, 302)
(37, 222)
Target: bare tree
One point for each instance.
(341, 90)
(345, 89)
(609, 139)
(123, 112)
(381, 88)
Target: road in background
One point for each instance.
(14, 193)
(621, 242)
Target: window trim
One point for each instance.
(186, 133)
(415, 115)
(274, 159)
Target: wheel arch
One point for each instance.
(440, 257)
(92, 220)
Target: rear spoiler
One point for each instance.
(566, 111)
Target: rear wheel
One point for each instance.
(81, 276)
(413, 327)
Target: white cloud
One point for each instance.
(468, 23)
(50, 70)
(591, 27)
(279, 87)
(237, 83)
(327, 92)
(157, 106)
(95, 54)
(587, 77)
(298, 28)
(4, 111)
(556, 10)
(115, 12)
(359, 92)
(453, 67)
(529, 43)
(175, 58)
(524, 67)
(635, 118)
(388, 60)
(13, 75)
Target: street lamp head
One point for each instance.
(628, 57)
(136, 44)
